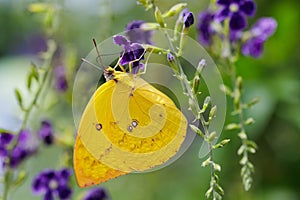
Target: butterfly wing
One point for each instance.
(140, 128)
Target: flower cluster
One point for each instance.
(213, 23)
(51, 183)
(132, 53)
(14, 154)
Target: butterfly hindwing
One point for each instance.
(127, 126)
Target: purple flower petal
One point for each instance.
(3, 152)
(45, 132)
(188, 19)
(253, 47)
(97, 193)
(248, 7)
(121, 40)
(222, 14)
(24, 136)
(134, 24)
(64, 192)
(5, 138)
(17, 155)
(138, 51)
(204, 27)
(237, 22)
(39, 184)
(235, 35)
(136, 34)
(264, 27)
(224, 2)
(61, 83)
(48, 195)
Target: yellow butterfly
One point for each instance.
(127, 126)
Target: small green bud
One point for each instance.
(196, 130)
(196, 84)
(159, 18)
(212, 112)
(174, 10)
(249, 121)
(216, 167)
(241, 150)
(232, 126)
(201, 66)
(226, 90)
(206, 162)
(211, 136)
(205, 104)
(221, 144)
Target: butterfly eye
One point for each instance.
(130, 128)
(98, 127)
(134, 123)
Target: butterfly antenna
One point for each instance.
(98, 53)
(92, 64)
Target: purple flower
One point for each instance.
(264, 27)
(53, 183)
(131, 54)
(22, 150)
(96, 194)
(45, 132)
(260, 31)
(236, 11)
(204, 27)
(5, 140)
(61, 83)
(188, 19)
(136, 34)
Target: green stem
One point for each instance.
(28, 111)
(187, 87)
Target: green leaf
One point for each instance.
(34, 71)
(29, 81)
(19, 98)
(221, 144)
(20, 178)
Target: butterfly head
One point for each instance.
(109, 73)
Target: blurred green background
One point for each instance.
(274, 78)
